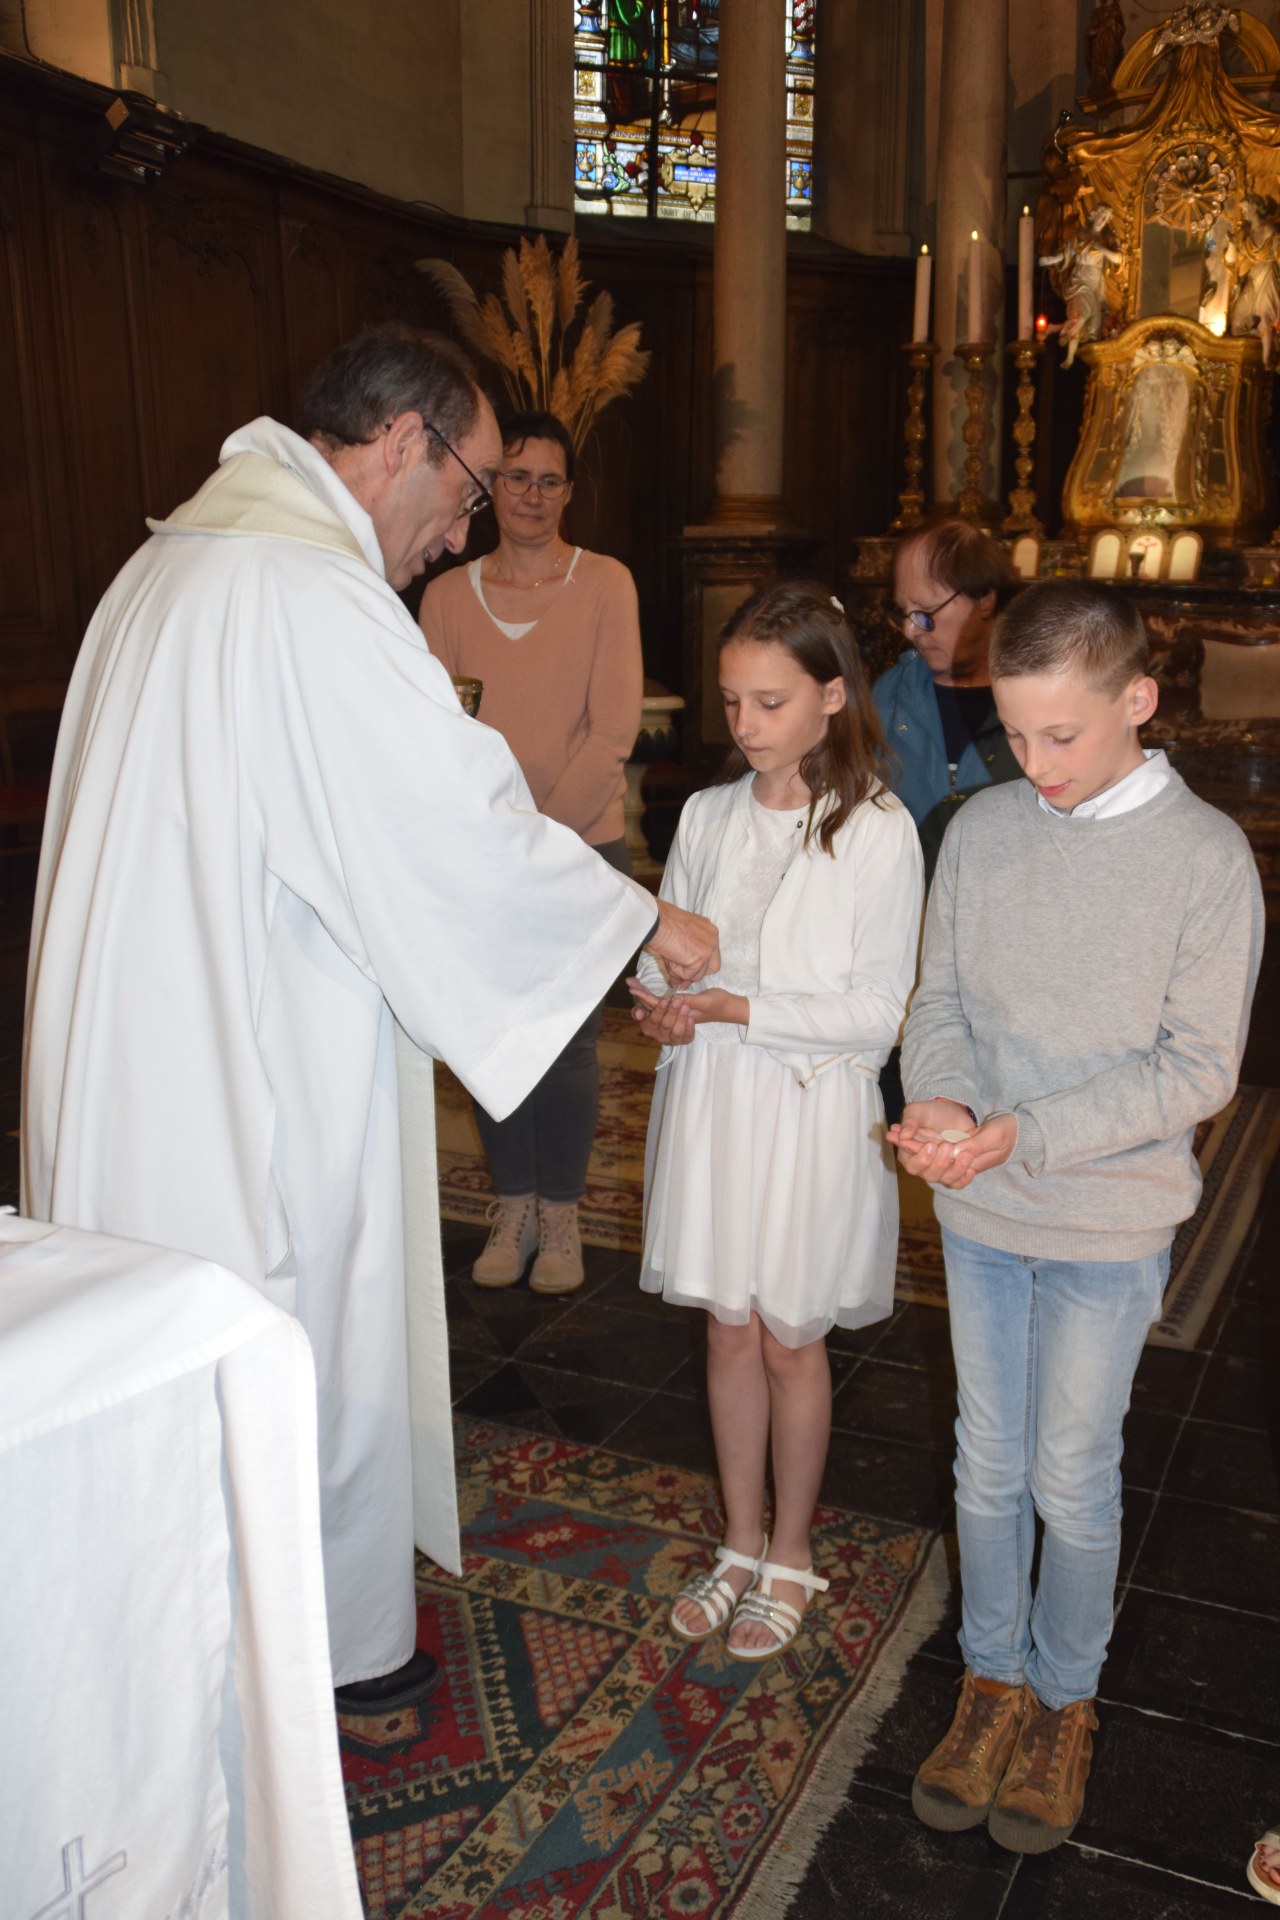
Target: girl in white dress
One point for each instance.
(770, 1195)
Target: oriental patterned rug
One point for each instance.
(579, 1758)
(1236, 1151)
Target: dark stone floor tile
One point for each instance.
(1228, 1466)
(467, 1370)
(623, 1290)
(1201, 1663)
(1178, 1796)
(497, 1320)
(1240, 1329)
(862, 1339)
(671, 1430)
(898, 1403)
(1201, 1552)
(1167, 1380)
(877, 1862)
(1138, 1508)
(588, 1411)
(919, 1337)
(1232, 1392)
(1149, 1440)
(607, 1344)
(888, 1479)
(459, 1245)
(921, 1713)
(1074, 1884)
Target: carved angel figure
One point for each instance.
(1082, 265)
(1104, 42)
(1197, 26)
(1255, 303)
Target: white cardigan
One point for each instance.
(841, 937)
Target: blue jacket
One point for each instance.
(919, 774)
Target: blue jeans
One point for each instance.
(1045, 1351)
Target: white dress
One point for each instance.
(762, 1194)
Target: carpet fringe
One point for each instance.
(771, 1890)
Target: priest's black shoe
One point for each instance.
(403, 1687)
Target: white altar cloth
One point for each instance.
(168, 1748)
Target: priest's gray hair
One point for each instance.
(386, 371)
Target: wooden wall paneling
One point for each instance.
(92, 235)
(210, 286)
(29, 601)
(316, 298)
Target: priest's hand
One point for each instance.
(687, 945)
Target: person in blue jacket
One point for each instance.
(949, 580)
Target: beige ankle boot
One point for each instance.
(558, 1267)
(512, 1238)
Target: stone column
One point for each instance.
(972, 138)
(551, 116)
(750, 263)
(747, 543)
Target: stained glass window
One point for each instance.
(645, 108)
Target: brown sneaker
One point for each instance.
(956, 1785)
(512, 1238)
(558, 1267)
(1042, 1794)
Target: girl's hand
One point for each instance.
(666, 1021)
(673, 1020)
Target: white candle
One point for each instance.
(1026, 271)
(924, 280)
(975, 287)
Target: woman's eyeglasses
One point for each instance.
(551, 485)
(923, 619)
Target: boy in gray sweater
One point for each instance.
(1091, 949)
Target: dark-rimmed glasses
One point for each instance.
(483, 497)
(923, 619)
(519, 482)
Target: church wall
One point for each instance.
(139, 326)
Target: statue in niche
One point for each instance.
(1255, 303)
(1154, 462)
(1104, 43)
(1082, 264)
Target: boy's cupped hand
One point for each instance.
(924, 1151)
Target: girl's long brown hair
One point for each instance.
(850, 762)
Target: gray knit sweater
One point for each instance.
(1094, 977)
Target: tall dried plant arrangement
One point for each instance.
(553, 357)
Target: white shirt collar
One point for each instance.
(1136, 788)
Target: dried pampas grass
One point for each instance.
(551, 360)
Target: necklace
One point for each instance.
(527, 586)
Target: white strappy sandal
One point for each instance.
(712, 1592)
(781, 1618)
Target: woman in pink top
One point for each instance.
(553, 632)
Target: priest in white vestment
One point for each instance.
(272, 834)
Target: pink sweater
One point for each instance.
(566, 696)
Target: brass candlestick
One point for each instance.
(974, 355)
(1021, 515)
(919, 356)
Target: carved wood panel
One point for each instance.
(91, 235)
(211, 333)
(25, 562)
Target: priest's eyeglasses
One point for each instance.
(483, 497)
(550, 485)
(922, 619)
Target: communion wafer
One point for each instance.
(955, 1134)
